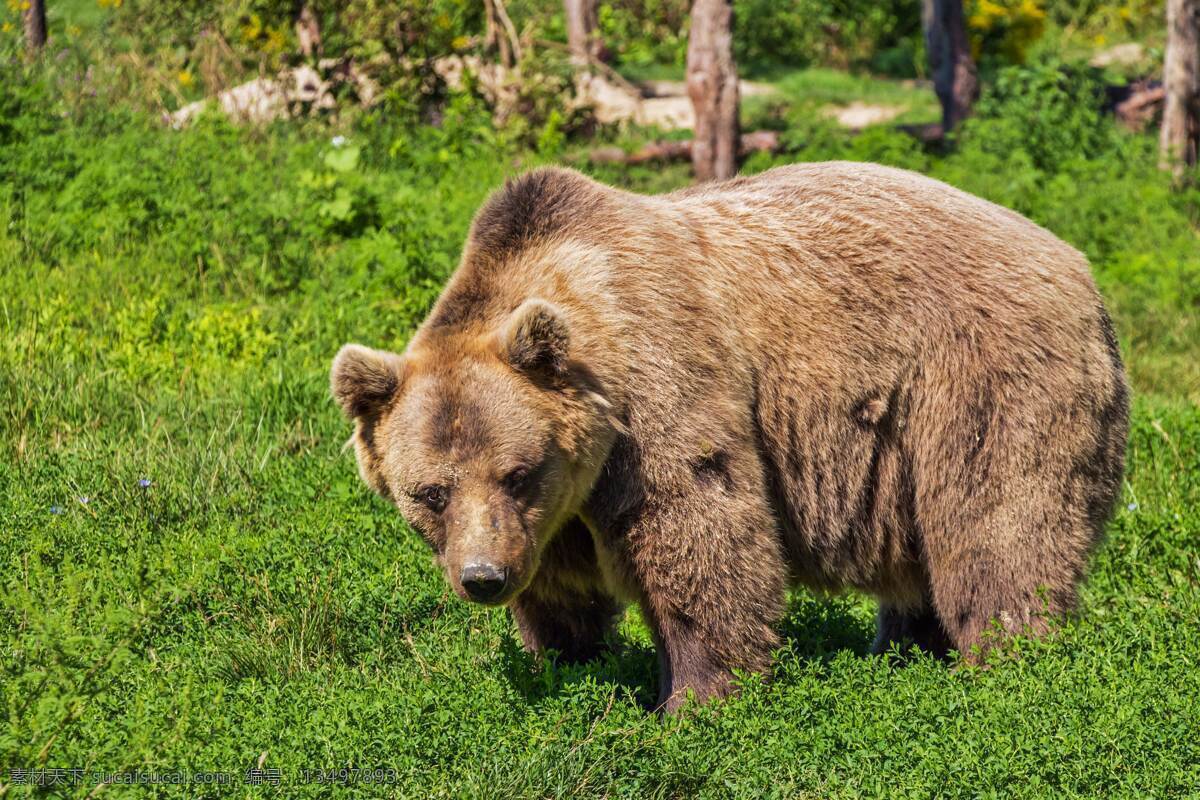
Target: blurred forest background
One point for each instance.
(550, 71)
(201, 201)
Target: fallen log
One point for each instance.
(1139, 109)
(292, 92)
(928, 133)
(754, 142)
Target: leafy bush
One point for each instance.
(767, 34)
(837, 33)
(1004, 29)
(644, 32)
(1049, 113)
(261, 31)
(1105, 20)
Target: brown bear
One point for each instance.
(837, 375)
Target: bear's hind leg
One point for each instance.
(1013, 482)
(983, 602)
(908, 627)
(1008, 572)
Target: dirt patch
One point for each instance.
(858, 115)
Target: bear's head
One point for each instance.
(487, 441)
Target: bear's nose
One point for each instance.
(482, 581)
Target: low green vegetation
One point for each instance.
(192, 576)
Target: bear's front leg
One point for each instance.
(566, 608)
(576, 625)
(711, 573)
(699, 652)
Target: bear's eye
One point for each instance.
(516, 480)
(433, 497)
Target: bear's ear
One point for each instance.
(535, 339)
(363, 380)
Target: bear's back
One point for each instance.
(900, 213)
(836, 246)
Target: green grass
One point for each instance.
(86, 15)
(814, 89)
(169, 304)
(823, 87)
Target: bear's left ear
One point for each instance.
(535, 339)
(363, 380)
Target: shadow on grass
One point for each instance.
(818, 629)
(813, 629)
(630, 667)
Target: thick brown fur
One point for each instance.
(838, 375)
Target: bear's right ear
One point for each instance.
(363, 380)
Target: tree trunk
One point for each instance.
(1180, 141)
(308, 31)
(950, 63)
(35, 24)
(713, 87)
(583, 38)
(501, 34)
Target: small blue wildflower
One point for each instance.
(85, 499)
(338, 141)
(56, 509)
(1132, 507)
(144, 483)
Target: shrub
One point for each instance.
(1050, 113)
(1004, 29)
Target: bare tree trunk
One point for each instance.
(501, 34)
(308, 31)
(35, 24)
(713, 87)
(954, 77)
(583, 38)
(1180, 141)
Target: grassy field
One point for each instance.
(193, 577)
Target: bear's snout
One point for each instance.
(483, 582)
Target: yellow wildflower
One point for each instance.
(1031, 10)
(991, 10)
(252, 28)
(276, 41)
(184, 77)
